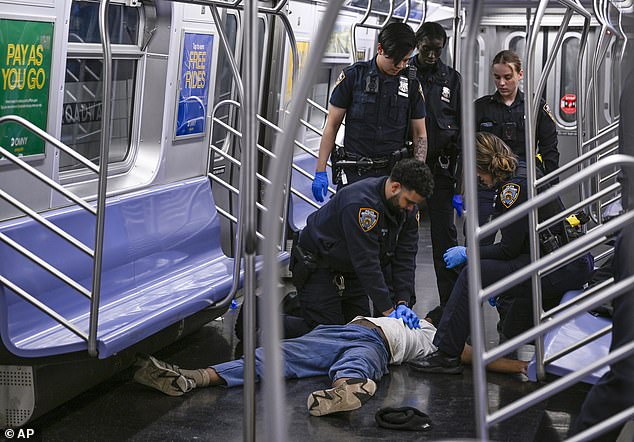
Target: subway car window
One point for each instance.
(518, 45)
(319, 95)
(225, 80)
(84, 23)
(81, 116)
(568, 75)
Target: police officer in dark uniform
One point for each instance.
(498, 168)
(362, 243)
(380, 103)
(441, 87)
(502, 114)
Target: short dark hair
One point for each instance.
(414, 175)
(397, 40)
(431, 29)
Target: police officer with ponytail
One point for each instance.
(499, 169)
(383, 105)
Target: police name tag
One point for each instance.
(403, 87)
(445, 95)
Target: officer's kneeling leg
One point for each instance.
(320, 303)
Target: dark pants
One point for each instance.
(615, 390)
(454, 327)
(321, 303)
(443, 237)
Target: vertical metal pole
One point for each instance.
(531, 124)
(249, 192)
(106, 78)
(457, 6)
(275, 408)
(480, 398)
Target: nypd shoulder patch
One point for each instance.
(342, 77)
(368, 218)
(548, 112)
(509, 194)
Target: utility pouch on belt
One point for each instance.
(337, 155)
(303, 263)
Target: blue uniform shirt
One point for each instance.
(514, 240)
(376, 108)
(507, 122)
(358, 232)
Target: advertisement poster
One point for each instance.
(194, 84)
(25, 70)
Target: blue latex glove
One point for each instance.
(320, 186)
(455, 256)
(457, 204)
(407, 315)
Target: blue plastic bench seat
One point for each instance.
(162, 262)
(569, 333)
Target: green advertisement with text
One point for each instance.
(25, 70)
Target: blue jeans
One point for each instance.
(339, 351)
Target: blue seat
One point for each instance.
(299, 209)
(569, 333)
(162, 262)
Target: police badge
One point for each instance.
(403, 86)
(368, 218)
(445, 95)
(509, 194)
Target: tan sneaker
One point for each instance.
(162, 376)
(348, 396)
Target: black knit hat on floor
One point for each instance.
(403, 418)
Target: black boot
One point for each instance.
(437, 362)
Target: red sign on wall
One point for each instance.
(568, 104)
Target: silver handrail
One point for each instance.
(46, 223)
(362, 24)
(50, 139)
(273, 385)
(103, 176)
(560, 354)
(46, 180)
(43, 307)
(473, 250)
(45, 265)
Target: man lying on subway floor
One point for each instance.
(355, 356)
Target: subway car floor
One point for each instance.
(120, 409)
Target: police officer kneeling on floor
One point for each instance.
(362, 243)
(498, 167)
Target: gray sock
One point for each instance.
(199, 376)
